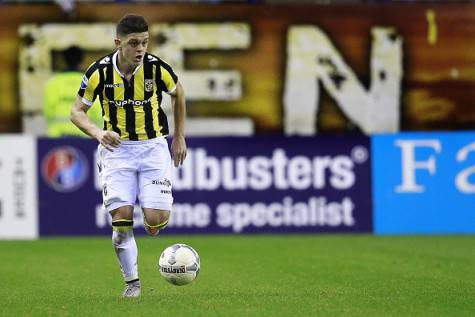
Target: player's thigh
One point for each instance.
(154, 180)
(118, 177)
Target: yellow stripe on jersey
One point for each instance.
(92, 84)
(139, 111)
(105, 105)
(167, 79)
(118, 86)
(139, 84)
(155, 105)
(119, 90)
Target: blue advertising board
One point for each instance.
(424, 183)
(227, 185)
(67, 198)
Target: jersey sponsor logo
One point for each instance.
(64, 168)
(129, 102)
(114, 85)
(148, 85)
(84, 82)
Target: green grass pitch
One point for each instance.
(262, 275)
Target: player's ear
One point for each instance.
(117, 42)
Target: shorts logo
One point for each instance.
(64, 168)
(165, 182)
(148, 85)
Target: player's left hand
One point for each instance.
(178, 150)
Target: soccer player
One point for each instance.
(134, 158)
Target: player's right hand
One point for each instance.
(109, 140)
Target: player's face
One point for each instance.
(133, 47)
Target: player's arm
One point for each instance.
(109, 139)
(179, 114)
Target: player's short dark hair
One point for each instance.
(73, 56)
(131, 23)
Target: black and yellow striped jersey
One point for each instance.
(130, 108)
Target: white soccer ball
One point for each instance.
(179, 264)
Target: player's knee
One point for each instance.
(156, 221)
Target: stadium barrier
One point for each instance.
(227, 185)
(18, 187)
(424, 183)
(406, 183)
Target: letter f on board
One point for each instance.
(409, 164)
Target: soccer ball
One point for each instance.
(179, 264)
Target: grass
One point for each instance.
(293, 275)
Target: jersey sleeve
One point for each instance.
(168, 77)
(88, 90)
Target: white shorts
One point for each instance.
(136, 169)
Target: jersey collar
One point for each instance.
(114, 62)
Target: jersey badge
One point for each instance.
(148, 85)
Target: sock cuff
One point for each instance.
(135, 280)
(122, 225)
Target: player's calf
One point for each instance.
(125, 248)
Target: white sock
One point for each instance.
(126, 250)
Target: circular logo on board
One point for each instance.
(64, 168)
